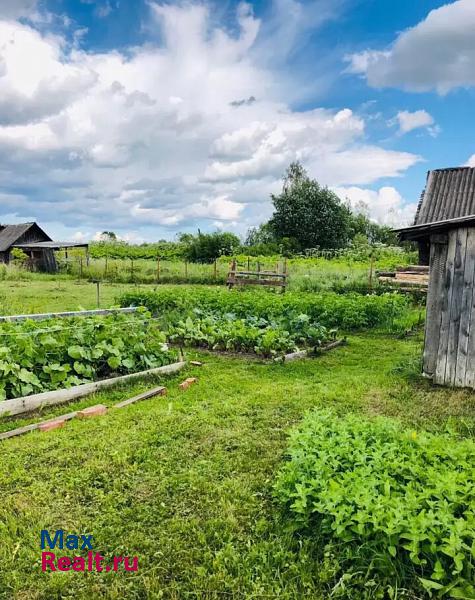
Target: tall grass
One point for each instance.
(348, 272)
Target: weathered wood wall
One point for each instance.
(449, 349)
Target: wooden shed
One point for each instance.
(35, 243)
(444, 228)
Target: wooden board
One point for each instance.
(438, 259)
(444, 309)
(455, 312)
(462, 362)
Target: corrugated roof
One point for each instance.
(449, 194)
(52, 245)
(11, 233)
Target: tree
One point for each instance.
(108, 236)
(206, 247)
(311, 215)
(374, 233)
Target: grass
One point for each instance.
(184, 482)
(338, 274)
(47, 295)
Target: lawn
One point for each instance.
(185, 482)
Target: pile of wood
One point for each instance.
(406, 279)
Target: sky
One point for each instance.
(150, 118)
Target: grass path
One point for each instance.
(185, 482)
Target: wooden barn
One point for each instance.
(444, 229)
(35, 243)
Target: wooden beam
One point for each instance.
(18, 406)
(158, 391)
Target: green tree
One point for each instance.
(308, 213)
(361, 225)
(206, 247)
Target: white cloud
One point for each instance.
(408, 121)
(438, 53)
(386, 205)
(158, 138)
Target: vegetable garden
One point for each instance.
(354, 506)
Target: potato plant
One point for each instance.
(37, 356)
(347, 312)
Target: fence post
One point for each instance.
(80, 268)
(371, 273)
(158, 269)
(215, 268)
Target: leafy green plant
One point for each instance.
(254, 334)
(38, 356)
(391, 506)
(347, 312)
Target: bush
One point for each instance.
(398, 506)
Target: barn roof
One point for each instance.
(52, 245)
(449, 194)
(447, 200)
(9, 234)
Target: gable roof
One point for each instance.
(449, 194)
(9, 234)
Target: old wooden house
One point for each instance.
(444, 229)
(35, 243)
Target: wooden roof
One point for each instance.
(448, 200)
(9, 234)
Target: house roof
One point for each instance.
(11, 233)
(447, 200)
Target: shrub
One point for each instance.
(399, 506)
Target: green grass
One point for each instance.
(185, 481)
(53, 295)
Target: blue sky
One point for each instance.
(151, 118)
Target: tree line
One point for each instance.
(306, 216)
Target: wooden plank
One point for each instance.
(466, 310)
(414, 269)
(456, 304)
(157, 391)
(469, 380)
(438, 259)
(259, 273)
(445, 302)
(255, 282)
(33, 426)
(393, 281)
(29, 403)
(62, 315)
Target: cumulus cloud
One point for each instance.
(438, 53)
(408, 121)
(165, 136)
(385, 206)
